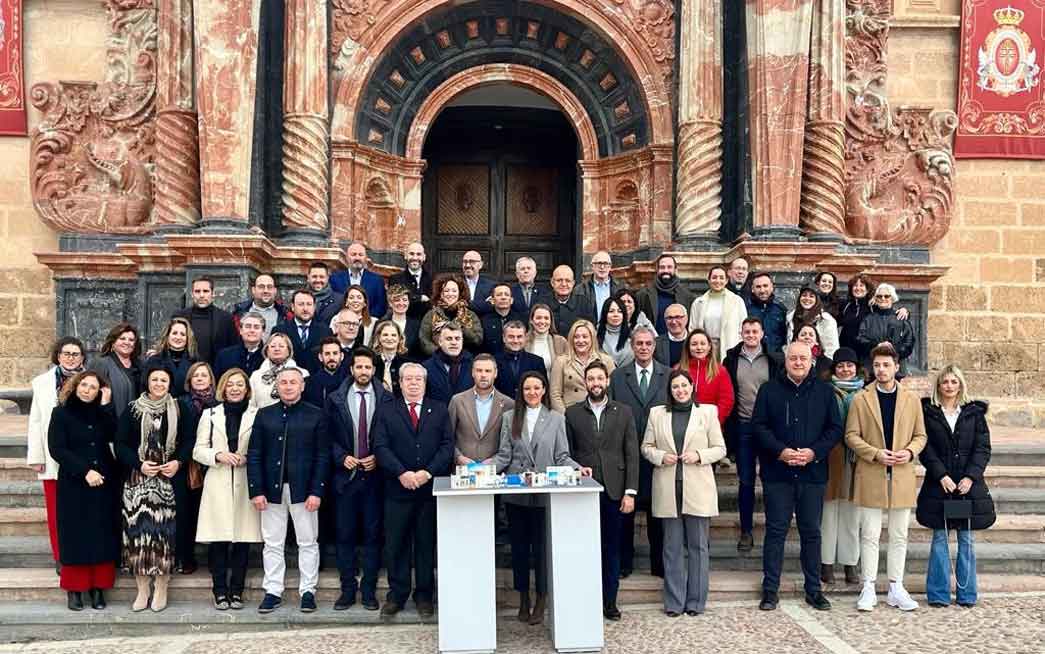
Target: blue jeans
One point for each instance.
(747, 455)
(938, 581)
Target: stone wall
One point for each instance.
(63, 40)
(988, 313)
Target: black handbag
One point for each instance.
(957, 509)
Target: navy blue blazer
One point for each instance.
(372, 283)
(493, 330)
(519, 305)
(507, 382)
(483, 289)
(295, 437)
(401, 448)
(237, 356)
(305, 353)
(321, 383)
(438, 385)
(342, 433)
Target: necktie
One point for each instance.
(644, 383)
(303, 333)
(362, 449)
(414, 418)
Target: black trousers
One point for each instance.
(228, 567)
(526, 528)
(610, 519)
(187, 510)
(359, 508)
(410, 523)
(806, 503)
(655, 536)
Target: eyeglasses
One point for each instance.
(71, 355)
(471, 261)
(879, 296)
(674, 317)
(600, 263)
(350, 323)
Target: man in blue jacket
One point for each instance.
(762, 304)
(357, 274)
(288, 462)
(797, 422)
(450, 368)
(514, 361)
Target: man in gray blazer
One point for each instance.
(641, 386)
(603, 440)
(475, 414)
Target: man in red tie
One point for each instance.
(351, 411)
(414, 444)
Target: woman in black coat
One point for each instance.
(955, 458)
(199, 396)
(885, 325)
(82, 427)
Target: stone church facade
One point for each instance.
(171, 138)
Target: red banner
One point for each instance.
(1001, 110)
(12, 86)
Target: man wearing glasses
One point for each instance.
(600, 286)
(67, 357)
(479, 288)
(669, 344)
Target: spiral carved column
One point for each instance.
(699, 195)
(306, 120)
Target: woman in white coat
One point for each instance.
(67, 357)
(811, 311)
(719, 312)
(683, 441)
(279, 354)
(228, 520)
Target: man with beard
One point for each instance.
(358, 275)
(603, 440)
(328, 302)
(330, 374)
(479, 287)
(264, 301)
(567, 307)
(666, 289)
(475, 415)
(762, 304)
(213, 327)
(450, 368)
(416, 280)
(304, 331)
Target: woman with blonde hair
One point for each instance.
(955, 458)
(176, 351)
(390, 346)
(567, 376)
(188, 484)
(542, 338)
(228, 521)
(399, 313)
(279, 354)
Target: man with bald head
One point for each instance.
(601, 286)
(358, 275)
(796, 421)
(567, 307)
(415, 279)
(670, 342)
(479, 287)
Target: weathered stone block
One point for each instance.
(1026, 186)
(1030, 385)
(989, 213)
(937, 297)
(964, 355)
(25, 342)
(986, 328)
(38, 311)
(935, 355)
(9, 311)
(1011, 415)
(991, 384)
(1039, 270)
(945, 327)
(1032, 214)
(1028, 329)
(1012, 299)
(1009, 356)
(1023, 241)
(973, 241)
(966, 298)
(1006, 269)
(20, 281)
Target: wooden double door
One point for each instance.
(501, 182)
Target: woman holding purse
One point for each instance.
(683, 441)
(955, 458)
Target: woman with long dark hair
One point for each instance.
(614, 332)
(176, 351)
(119, 361)
(633, 315)
(711, 382)
(450, 304)
(826, 284)
(82, 427)
(533, 437)
(809, 310)
(856, 307)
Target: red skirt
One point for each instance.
(50, 500)
(82, 578)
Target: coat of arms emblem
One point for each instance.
(1007, 60)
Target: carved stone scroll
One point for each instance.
(306, 119)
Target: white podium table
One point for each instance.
(468, 575)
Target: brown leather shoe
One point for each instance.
(425, 608)
(852, 575)
(827, 573)
(537, 615)
(390, 609)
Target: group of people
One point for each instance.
(337, 409)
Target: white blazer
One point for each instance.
(45, 399)
(826, 328)
(733, 313)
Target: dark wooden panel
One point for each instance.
(464, 199)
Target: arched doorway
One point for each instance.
(501, 180)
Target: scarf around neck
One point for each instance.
(669, 286)
(149, 413)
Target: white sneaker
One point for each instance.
(900, 598)
(868, 598)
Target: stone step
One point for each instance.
(21, 494)
(996, 476)
(12, 469)
(13, 446)
(23, 522)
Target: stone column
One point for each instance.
(698, 201)
(306, 121)
(226, 37)
(778, 79)
(177, 205)
(822, 215)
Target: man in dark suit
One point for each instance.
(213, 328)
(358, 275)
(479, 287)
(246, 355)
(514, 361)
(494, 322)
(329, 374)
(288, 462)
(304, 332)
(567, 307)
(601, 286)
(604, 442)
(351, 412)
(526, 292)
(328, 301)
(670, 343)
(415, 279)
(641, 386)
(413, 444)
(450, 368)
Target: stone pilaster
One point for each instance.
(306, 121)
(698, 204)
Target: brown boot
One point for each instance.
(537, 615)
(141, 600)
(524, 607)
(159, 596)
(852, 576)
(827, 573)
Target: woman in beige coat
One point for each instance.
(567, 372)
(228, 520)
(683, 441)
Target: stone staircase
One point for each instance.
(1010, 557)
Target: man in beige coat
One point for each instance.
(475, 415)
(886, 429)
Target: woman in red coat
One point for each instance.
(711, 383)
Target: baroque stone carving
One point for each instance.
(654, 20)
(899, 167)
(91, 159)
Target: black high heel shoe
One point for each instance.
(97, 599)
(75, 601)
